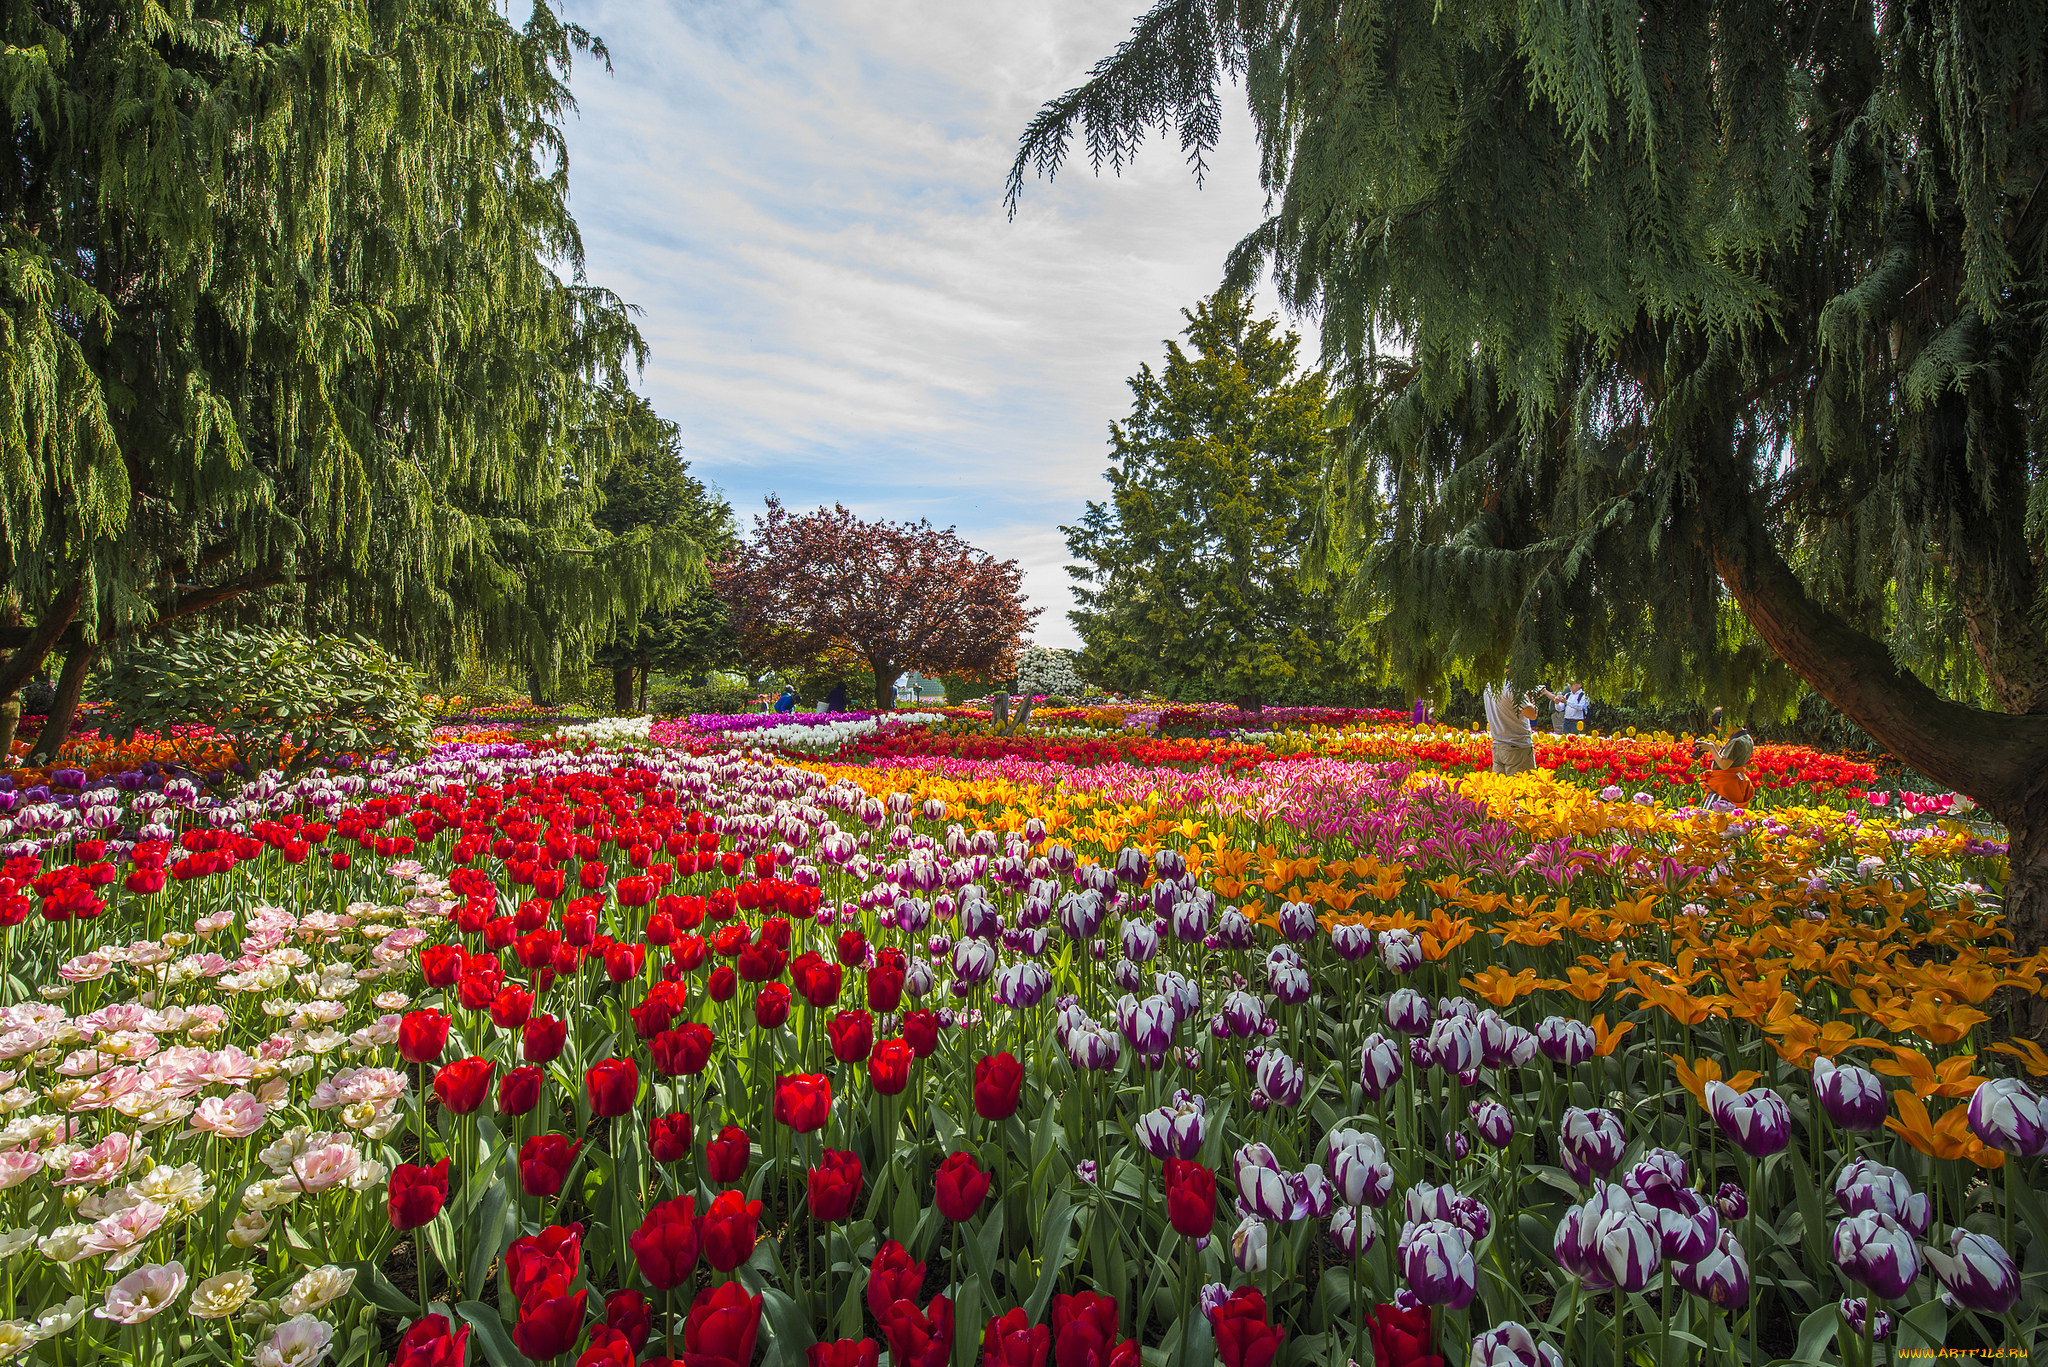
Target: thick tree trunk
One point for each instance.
(25, 661)
(57, 726)
(622, 690)
(885, 685)
(1999, 759)
(641, 706)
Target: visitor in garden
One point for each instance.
(1727, 777)
(1572, 709)
(1421, 713)
(1507, 722)
(835, 701)
(787, 702)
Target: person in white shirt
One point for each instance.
(1507, 722)
(1576, 705)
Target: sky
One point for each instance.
(805, 199)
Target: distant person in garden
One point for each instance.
(835, 701)
(1507, 722)
(1727, 776)
(787, 702)
(1421, 713)
(1572, 710)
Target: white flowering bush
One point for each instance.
(610, 731)
(1043, 671)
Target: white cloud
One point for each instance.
(806, 201)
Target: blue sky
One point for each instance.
(805, 200)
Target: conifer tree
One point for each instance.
(293, 326)
(1717, 332)
(1188, 578)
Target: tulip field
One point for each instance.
(1138, 1038)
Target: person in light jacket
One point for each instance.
(1507, 722)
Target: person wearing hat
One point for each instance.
(1726, 777)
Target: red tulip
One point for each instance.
(885, 988)
(463, 1084)
(622, 963)
(544, 1161)
(819, 980)
(724, 984)
(542, 1038)
(1011, 1340)
(550, 883)
(542, 1266)
(998, 1082)
(613, 1085)
(422, 1036)
(771, 1006)
(1084, 1330)
(519, 1090)
(725, 1158)
(634, 892)
(803, 1100)
(728, 1230)
(834, 1186)
(1190, 1198)
(511, 1007)
(628, 1314)
(959, 1187)
(427, 1342)
(683, 1050)
(852, 1034)
(760, 963)
(919, 1338)
(1400, 1338)
(1244, 1339)
(921, 1032)
(666, 1244)
(844, 1353)
(441, 965)
(416, 1194)
(668, 1137)
(851, 947)
(549, 1328)
(607, 1348)
(889, 1067)
(892, 1277)
(720, 1328)
(592, 876)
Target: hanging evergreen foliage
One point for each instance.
(1720, 336)
(293, 326)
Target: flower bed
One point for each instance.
(644, 1043)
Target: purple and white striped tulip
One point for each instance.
(1297, 921)
(2006, 1114)
(1408, 1012)
(1353, 1231)
(1867, 1185)
(1566, 1041)
(1977, 1273)
(1590, 1143)
(1758, 1120)
(1609, 1241)
(1492, 1122)
(1853, 1097)
(1878, 1252)
(1359, 1168)
(1379, 1065)
(1721, 1277)
(1400, 951)
(1436, 1259)
(1176, 1130)
(1424, 1203)
(1855, 1310)
(1140, 941)
(1281, 1078)
(1509, 1344)
(1248, 1245)
(1351, 940)
(1454, 1044)
(1262, 1186)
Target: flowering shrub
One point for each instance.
(606, 1054)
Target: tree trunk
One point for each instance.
(622, 690)
(10, 721)
(25, 661)
(885, 686)
(1999, 759)
(57, 726)
(641, 706)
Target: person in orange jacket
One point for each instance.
(1727, 777)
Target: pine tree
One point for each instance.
(1722, 337)
(293, 325)
(1188, 583)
